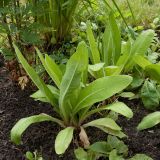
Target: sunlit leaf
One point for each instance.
(149, 121)
(35, 78)
(121, 108)
(101, 89)
(63, 140)
(24, 123)
(140, 47)
(71, 80)
(103, 122)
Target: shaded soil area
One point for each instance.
(16, 104)
(147, 141)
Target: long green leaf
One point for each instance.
(82, 48)
(149, 121)
(54, 69)
(107, 44)
(141, 61)
(63, 140)
(24, 123)
(101, 89)
(123, 59)
(107, 125)
(117, 133)
(103, 122)
(121, 108)
(118, 107)
(35, 78)
(140, 47)
(51, 67)
(116, 36)
(93, 45)
(70, 84)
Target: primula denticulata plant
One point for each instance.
(73, 99)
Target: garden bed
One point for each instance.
(16, 104)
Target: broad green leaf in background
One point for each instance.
(149, 121)
(63, 140)
(101, 89)
(154, 71)
(137, 82)
(140, 47)
(149, 95)
(142, 43)
(35, 78)
(24, 123)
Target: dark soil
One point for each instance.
(147, 141)
(16, 104)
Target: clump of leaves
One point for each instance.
(112, 149)
(150, 95)
(113, 56)
(73, 98)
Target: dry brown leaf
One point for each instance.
(22, 81)
(84, 138)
